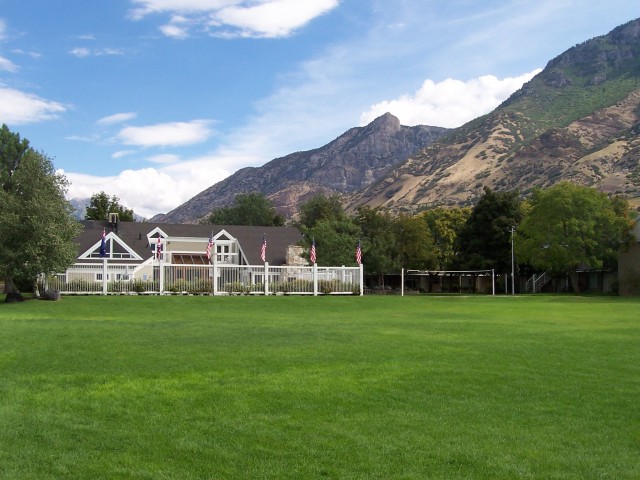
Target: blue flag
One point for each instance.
(103, 245)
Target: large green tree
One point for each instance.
(444, 224)
(335, 241)
(335, 233)
(12, 150)
(569, 227)
(248, 209)
(414, 243)
(37, 228)
(320, 207)
(484, 242)
(101, 205)
(378, 240)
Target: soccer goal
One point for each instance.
(448, 281)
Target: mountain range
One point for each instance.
(577, 120)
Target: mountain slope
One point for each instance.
(577, 120)
(350, 163)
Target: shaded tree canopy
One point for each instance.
(37, 228)
(12, 149)
(414, 243)
(335, 241)
(101, 205)
(444, 224)
(569, 227)
(252, 209)
(378, 240)
(484, 241)
(321, 207)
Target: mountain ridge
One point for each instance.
(577, 120)
(561, 125)
(348, 163)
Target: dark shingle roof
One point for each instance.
(134, 234)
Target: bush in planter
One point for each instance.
(236, 287)
(324, 287)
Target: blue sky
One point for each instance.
(156, 100)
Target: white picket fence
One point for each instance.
(163, 279)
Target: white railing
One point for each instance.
(536, 282)
(108, 278)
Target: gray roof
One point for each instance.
(134, 234)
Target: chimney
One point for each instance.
(113, 222)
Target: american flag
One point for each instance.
(359, 253)
(209, 246)
(159, 248)
(263, 249)
(312, 253)
(103, 244)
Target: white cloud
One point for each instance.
(156, 190)
(249, 18)
(116, 118)
(449, 103)
(276, 18)
(175, 31)
(19, 51)
(122, 153)
(18, 107)
(8, 66)
(80, 52)
(167, 134)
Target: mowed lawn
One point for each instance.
(374, 387)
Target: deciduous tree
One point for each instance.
(101, 205)
(444, 224)
(248, 209)
(37, 228)
(484, 241)
(570, 227)
(321, 207)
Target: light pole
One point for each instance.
(513, 290)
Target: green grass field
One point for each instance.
(420, 387)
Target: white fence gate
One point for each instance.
(162, 279)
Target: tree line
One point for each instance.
(559, 229)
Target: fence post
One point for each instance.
(266, 278)
(361, 280)
(215, 274)
(161, 273)
(493, 282)
(315, 279)
(104, 275)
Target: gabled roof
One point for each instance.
(134, 234)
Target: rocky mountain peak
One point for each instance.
(353, 161)
(385, 124)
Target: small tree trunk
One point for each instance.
(573, 276)
(13, 294)
(36, 289)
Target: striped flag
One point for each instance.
(312, 253)
(359, 253)
(209, 246)
(103, 244)
(159, 248)
(263, 249)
